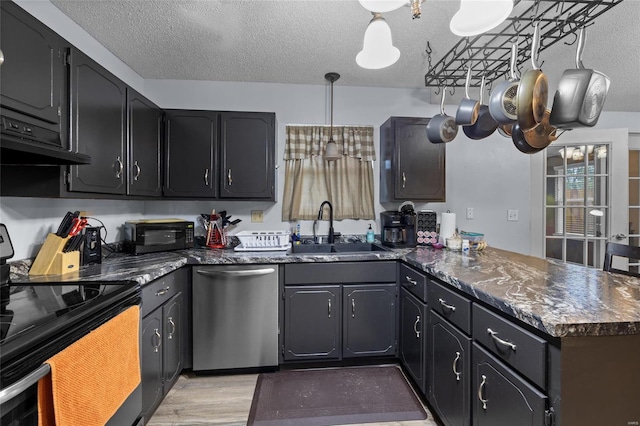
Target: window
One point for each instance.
(309, 179)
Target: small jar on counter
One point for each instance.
(465, 246)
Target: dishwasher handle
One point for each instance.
(10, 392)
(246, 273)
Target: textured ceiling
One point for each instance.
(298, 41)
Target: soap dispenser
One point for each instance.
(370, 235)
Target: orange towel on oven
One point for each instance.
(91, 378)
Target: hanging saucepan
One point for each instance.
(517, 136)
(542, 134)
(580, 95)
(468, 109)
(531, 99)
(505, 130)
(502, 103)
(442, 128)
(485, 125)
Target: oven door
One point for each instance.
(160, 237)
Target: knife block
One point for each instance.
(51, 260)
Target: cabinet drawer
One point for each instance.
(159, 291)
(414, 281)
(340, 273)
(519, 348)
(451, 305)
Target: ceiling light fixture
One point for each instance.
(378, 50)
(331, 150)
(478, 16)
(382, 6)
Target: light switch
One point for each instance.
(512, 215)
(256, 216)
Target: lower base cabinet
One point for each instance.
(413, 316)
(164, 330)
(450, 378)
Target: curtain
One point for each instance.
(309, 179)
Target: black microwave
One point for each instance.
(153, 235)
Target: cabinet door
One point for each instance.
(32, 75)
(449, 372)
(412, 336)
(98, 127)
(420, 167)
(191, 142)
(369, 324)
(312, 322)
(247, 155)
(151, 362)
(145, 145)
(172, 340)
(502, 398)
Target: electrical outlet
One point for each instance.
(512, 215)
(256, 216)
(469, 212)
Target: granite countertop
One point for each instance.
(562, 300)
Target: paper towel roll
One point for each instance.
(447, 226)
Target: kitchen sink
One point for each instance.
(336, 248)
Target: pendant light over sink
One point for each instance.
(331, 150)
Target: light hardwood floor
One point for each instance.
(222, 400)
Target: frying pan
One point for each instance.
(502, 101)
(505, 130)
(468, 109)
(580, 95)
(517, 136)
(531, 99)
(542, 134)
(442, 128)
(485, 125)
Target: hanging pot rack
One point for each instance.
(558, 21)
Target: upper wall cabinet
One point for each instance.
(145, 145)
(228, 155)
(247, 154)
(32, 76)
(98, 127)
(191, 154)
(412, 168)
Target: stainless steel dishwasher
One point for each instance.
(235, 316)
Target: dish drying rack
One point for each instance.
(263, 241)
(490, 52)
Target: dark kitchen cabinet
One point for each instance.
(503, 397)
(450, 379)
(247, 151)
(145, 145)
(411, 167)
(98, 127)
(165, 332)
(369, 320)
(32, 76)
(312, 322)
(413, 327)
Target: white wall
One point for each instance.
(489, 175)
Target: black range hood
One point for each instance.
(18, 151)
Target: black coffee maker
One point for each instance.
(399, 227)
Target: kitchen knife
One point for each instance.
(64, 225)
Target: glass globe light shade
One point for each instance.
(378, 50)
(478, 16)
(382, 6)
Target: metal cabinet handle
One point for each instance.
(447, 306)
(481, 393)
(353, 308)
(1, 57)
(329, 307)
(157, 335)
(494, 336)
(173, 327)
(404, 180)
(247, 273)
(410, 281)
(136, 175)
(415, 326)
(455, 366)
(206, 176)
(162, 291)
(120, 167)
(229, 179)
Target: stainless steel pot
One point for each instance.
(442, 128)
(468, 109)
(502, 103)
(581, 94)
(485, 125)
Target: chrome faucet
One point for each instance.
(331, 237)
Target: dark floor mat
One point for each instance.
(333, 396)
